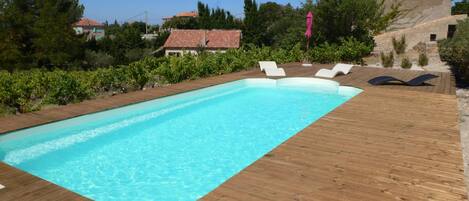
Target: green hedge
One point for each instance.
(26, 91)
(455, 51)
(350, 50)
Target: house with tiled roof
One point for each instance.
(92, 28)
(182, 42)
(191, 14)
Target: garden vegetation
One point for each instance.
(387, 59)
(43, 62)
(423, 59)
(25, 91)
(405, 63)
(455, 51)
(399, 45)
(29, 90)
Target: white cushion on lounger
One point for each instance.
(338, 69)
(270, 68)
(271, 72)
(2, 186)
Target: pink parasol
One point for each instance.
(309, 27)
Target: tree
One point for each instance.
(360, 19)
(16, 19)
(124, 42)
(289, 28)
(55, 42)
(207, 19)
(460, 8)
(181, 23)
(269, 14)
(204, 15)
(455, 52)
(38, 33)
(252, 24)
(215, 18)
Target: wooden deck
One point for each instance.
(388, 143)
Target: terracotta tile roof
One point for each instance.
(183, 14)
(213, 39)
(187, 14)
(85, 22)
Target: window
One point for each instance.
(432, 37)
(177, 54)
(451, 30)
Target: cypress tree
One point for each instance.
(204, 15)
(215, 18)
(251, 28)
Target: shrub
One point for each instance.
(138, 74)
(387, 60)
(98, 59)
(83, 77)
(352, 50)
(136, 54)
(5, 110)
(399, 45)
(405, 63)
(455, 52)
(6, 82)
(349, 50)
(63, 88)
(176, 69)
(423, 59)
(325, 53)
(26, 91)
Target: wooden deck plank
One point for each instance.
(351, 146)
(389, 143)
(20, 185)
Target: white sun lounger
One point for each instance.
(270, 68)
(338, 69)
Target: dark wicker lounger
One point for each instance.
(420, 80)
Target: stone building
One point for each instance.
(420, 11)
(425, 21)
(92, 28)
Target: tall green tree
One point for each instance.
(461, 7)
(204, 15)
(56, 43)
(181, 23)
(16, 20)
(217, 18)
(37, 33)
(252, 24)
(288, 29)
(361, 19)
(269, 14)
(124, 42)
(208, 19)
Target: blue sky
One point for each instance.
(124, 10)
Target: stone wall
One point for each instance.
(418, 33)
(420, 11)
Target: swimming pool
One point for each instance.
(174, 148)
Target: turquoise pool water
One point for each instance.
(174, 148)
